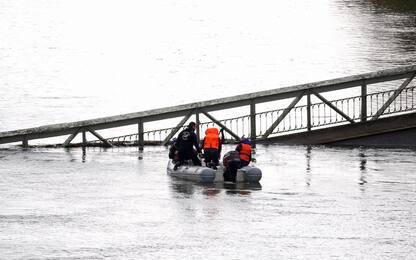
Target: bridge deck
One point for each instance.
(381, 132)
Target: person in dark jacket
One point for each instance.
(185, 144)
(232, 163)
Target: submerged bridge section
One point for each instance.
(331, 111)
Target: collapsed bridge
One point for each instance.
(371, 108)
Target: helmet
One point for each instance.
(245, 141)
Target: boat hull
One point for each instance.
(247, 174)
(192, 173)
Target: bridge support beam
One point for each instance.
(102, 139)
(283, 115)
(177, 128)
(236, 137)
(70, 138)
(333, 107)
(393, 97)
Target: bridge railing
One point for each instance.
(321, 114)
(301, 114)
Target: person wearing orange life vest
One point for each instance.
(244, 148)
(212, 145)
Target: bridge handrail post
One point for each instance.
(253, 129)
(84, 138)
(140, 139)
(25, 142)
(198, 127)
(363, 116)
(308, 111)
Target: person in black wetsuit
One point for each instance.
(185, 144)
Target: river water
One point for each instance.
(62, 61)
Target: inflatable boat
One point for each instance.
(203, 174)
(191, 172)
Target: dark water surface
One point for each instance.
(63, 61)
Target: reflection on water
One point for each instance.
(363, 161)
(183, 188)
(363, 169)
(308, 164)
(213, 189)
(84, 154)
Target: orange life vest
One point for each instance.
(245, 152)
(212, 139)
